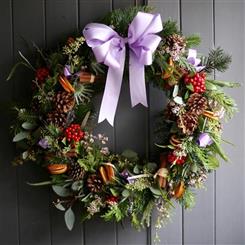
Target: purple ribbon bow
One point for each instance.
(109, 48)
(193, 60)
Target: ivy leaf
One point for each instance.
(28, 125)
(61, 191)
(20, 136)
(69, 218)
(59, 206)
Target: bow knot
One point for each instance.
(110, 48)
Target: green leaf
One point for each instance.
(69, 218)
(14, 69)
(136, 169)
(41, 183)
(28, 125)
(61, 191)
(20, 136)
(210, 86)
(77, 185)
(26, 60)
(151, 166)
(59, 206)
(114, 192)
(85, 119)
(190, 87)
(155, 191)
(212, 163)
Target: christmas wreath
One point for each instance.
(55, 129)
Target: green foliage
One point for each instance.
(216, 60)
(184, 64)
(188, 199)
(170, 27)
(116, 212)
(224, 100)
(120, 18)
(193, 40)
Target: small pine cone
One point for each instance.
(75, 172)
(64, 101)
(187, 122)
(175, 45)
(57, 118)
(197, 104)
(94, 183)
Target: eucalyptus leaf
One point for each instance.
(155, 191)
(69, 218)
(178, 100)
(136, 169)
(28, 125)
(85, 120)
(125, 193)
(77, 185)
(24, 155)
(114, 192)
(190, 87)
(176, 90)
(20, 136)
(59, 206)
(61, 191)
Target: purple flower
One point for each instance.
(43, 143)
(193, 60)
(67, 71)
(204, 140)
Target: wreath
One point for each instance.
(55, 127)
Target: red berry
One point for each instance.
(42, 73)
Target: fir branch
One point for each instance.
(170, 27)
(193, 41)
(216, 60)
(188, 200)
(226, 101)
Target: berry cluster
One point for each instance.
(42, 73)
(197, 80)
(74, 132)
(172, 158)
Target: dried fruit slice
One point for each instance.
(57, 168)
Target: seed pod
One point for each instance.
(107, 173)
(179, 190)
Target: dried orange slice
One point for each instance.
(57, 168)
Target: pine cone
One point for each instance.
(175, 45)
(64, 101)
(75, 172)
(188, 122)
(197, 104)
(94, 183)
(57, 118)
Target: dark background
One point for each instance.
(26, 213)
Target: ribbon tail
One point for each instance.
(111, 93)
(137, 81)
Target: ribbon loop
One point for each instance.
(109, 48)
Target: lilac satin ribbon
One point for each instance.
(109, 48)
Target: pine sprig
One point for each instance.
(170, 27)
(216, 60)
(193, 41)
